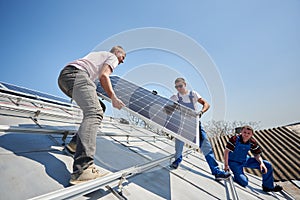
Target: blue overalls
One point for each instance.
(238, 159)
(204, 142)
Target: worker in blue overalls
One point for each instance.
(190, 99)
(236, 158)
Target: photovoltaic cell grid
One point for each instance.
(31, 93)
(182, 121)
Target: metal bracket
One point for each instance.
(34, 118)
(119, 195)
(36, 105)
(127, 140)
(37, 113)
(122, 180)
(17, 102)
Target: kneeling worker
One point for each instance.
(236, 158)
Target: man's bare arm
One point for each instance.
(106, 84)
(262, 166)
(226, 155)
(205, 106)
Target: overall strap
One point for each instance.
(189, 104)
(191, 96)
(179, 98)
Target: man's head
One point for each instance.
(180, 85)
(119, 52)
(247, 132)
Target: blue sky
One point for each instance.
(255, 46)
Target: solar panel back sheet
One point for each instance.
(177, 120)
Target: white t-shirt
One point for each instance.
(94, 61)
(186, 98)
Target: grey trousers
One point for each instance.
(76, 84)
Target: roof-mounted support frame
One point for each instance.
(93, 185)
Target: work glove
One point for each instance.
(200, 114)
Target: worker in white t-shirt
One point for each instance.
(191, 99)
(76, 80)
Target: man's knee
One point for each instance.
(96, 115)
(99, 112)
(241, 179)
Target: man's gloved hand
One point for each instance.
(200, 114)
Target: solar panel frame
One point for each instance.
(25, 92)
(172, 117)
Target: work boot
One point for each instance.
(176, 163)
(222, 175)
(88, 174)
(71, 146)
(277, 188)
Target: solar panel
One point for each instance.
(32, 93)
(178, 120)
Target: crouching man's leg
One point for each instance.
(268, 180)
(267, 177)
(238, 172)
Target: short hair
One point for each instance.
(248, 128)
(116, 49)
(180, 80)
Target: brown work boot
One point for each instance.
(88, 174)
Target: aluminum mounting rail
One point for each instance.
(93, 185)
(30, 112)
(6, 128)
(233, 193)
(131, 135)
(18, 99)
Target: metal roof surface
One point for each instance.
(34, 165)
